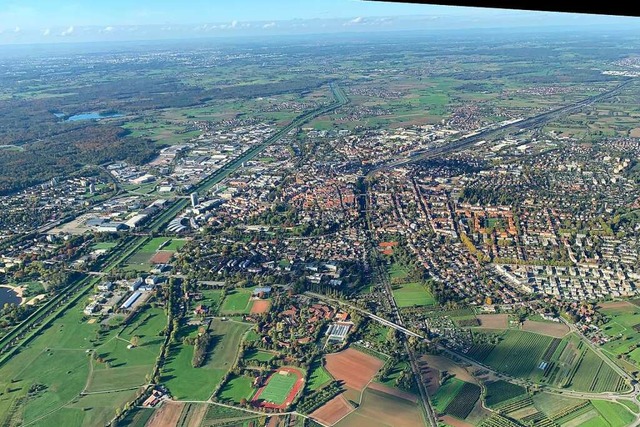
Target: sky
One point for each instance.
(50, 21)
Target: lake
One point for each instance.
(7, 295)
(91, 116)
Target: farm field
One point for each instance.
(559, 362)
(353, 367)
(383, 410)
(501, 391)
(463, 402)
(237, 301)
(552, 329)
(446, 393)
(333, 411)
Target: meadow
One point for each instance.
(237, 301)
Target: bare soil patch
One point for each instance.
(635, 133)
(394, 392)
(260, 306)
(353, 367)
(167, 416)
(557, 330)
(198, 416)
(161, 257)
(454, 422)
(618, 305)
(493, 321)
(333, 411)
(442, 363)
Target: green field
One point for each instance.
(501, 391)
(58, 360)
(446, 393)
(615, 414)
(561, 363)
(237, 301)
(237, 388)
(318, 376)
(103, 245)
(278, 388)
(621, 332)
(189, 383)
(254, 355)
(412, 294)
(139, 260)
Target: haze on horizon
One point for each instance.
(64, 21)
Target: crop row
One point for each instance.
(465, 400)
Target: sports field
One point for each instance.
(141, 259)
(281, 388)
(412, 294)
(278, 388)
(237, 301)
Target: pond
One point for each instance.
(91, 116)
(8, 295)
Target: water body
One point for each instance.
(7, 295)
(91, 116)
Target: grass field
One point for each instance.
(254, 355)
(237, 388)
(446, 393)
(139, 260)
(189, 383)
(58, 360)
(623, 316)
(615, 414)
(278, 388)
(237, 301)
(412, 294)
(318, 376)
(103, 245)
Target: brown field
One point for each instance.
(442, 364)
(552, 329)
(430, 377)
(161, 257)
(394, 392)
(619, 305)
(493, 321)
(635, 133)
(353, 367)
(383, 410)
(333, 411)
(198, 415)
(260, 306)
(454, 422)
(167, 416)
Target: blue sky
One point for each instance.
(45, 21)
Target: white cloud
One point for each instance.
(46, 32)
(67, 32)
(108, 29)
(16, 30)
(356, 20)
(234, 24)
(269, 25)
